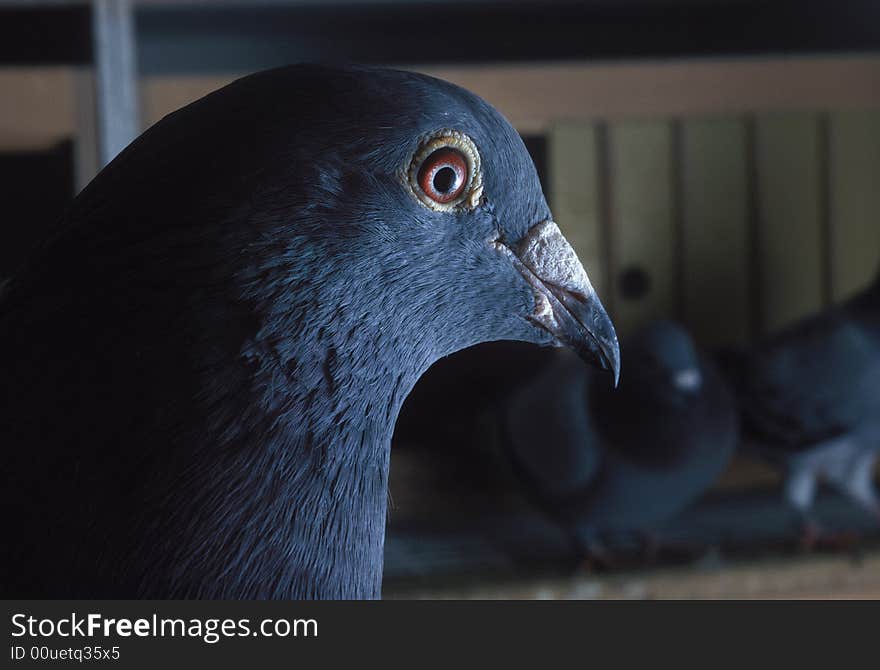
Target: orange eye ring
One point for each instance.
(443, 175)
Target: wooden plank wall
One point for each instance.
(854, 167)
(715, 244)
(789, 219)
(643, 227)
(741, 224)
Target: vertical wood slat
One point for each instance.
(574, 194)
(644, 229)
(855, 199)
(715, 239)
(790, 234)
(87, 161)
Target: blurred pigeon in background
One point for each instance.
(603, 462)
(810, 401)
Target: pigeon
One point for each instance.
(810, 402)
(620, 464)
(203, 366)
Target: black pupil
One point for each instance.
(444, 179)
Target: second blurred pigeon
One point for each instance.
(810, 399)
(602, 461)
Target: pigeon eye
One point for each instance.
(444, 173)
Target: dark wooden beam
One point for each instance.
(45, 35)
(235, 38)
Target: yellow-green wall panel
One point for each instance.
(643, 230)
(790, 244)
(855, 199)
(715, 236)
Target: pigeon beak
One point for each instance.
(566, 305)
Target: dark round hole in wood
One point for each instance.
(634, 283)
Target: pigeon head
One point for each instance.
(426, 201)
(667, 386)
(247, 294)
(664, 362)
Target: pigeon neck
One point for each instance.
(338, 459)
(332, 373)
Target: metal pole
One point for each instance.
(116, 89)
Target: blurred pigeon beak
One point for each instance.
(688, 381)
(566, 305)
